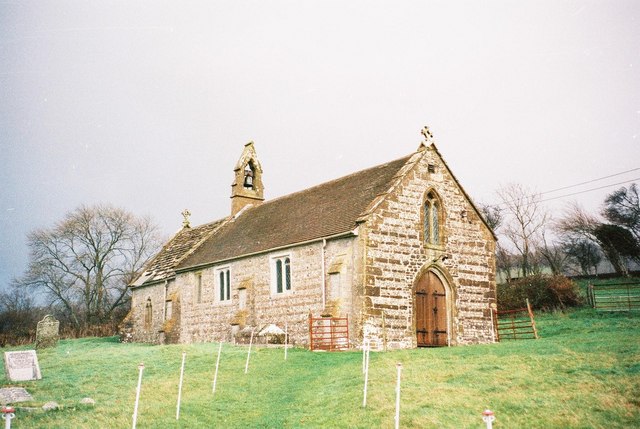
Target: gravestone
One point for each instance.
(22, 366)
(11, 395)
(47, 332)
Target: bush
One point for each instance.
(543, 291)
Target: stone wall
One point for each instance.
(369, 276)
(135, 328)
(214, 320)
(396, 255)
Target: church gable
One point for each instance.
(427, 232)
(387, 246)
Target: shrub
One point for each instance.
(543, 291)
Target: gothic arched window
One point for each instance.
(432, 217)
(148, 315)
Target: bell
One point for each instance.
(248, 179)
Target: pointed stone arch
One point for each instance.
(434, 307)
(433, 218)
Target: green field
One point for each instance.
(584, 372)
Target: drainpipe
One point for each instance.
(164, 302)
(324, 286)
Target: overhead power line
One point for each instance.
(503, 204)
(588, 190)
(591, 181)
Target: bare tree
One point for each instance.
(504, 261)
(18, 316)
(526, 219)
(492, 214)
(554, 255)
(582, 253)
(85, 261)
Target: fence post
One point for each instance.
(184, 355)
(397, 421)
(488, 418)
(367, 348)
(8, 413)
(286, 338)
(533, 322)
(310, 331)
(215, 377)
(246, 365)
(135, 407)
(384, 332)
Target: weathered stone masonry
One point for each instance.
(356, 248)
(396, 254)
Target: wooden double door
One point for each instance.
(431, 311)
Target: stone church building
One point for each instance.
(399, 249)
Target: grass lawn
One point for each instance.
(584, 372)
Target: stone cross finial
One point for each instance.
(428, 136)
(185, 214)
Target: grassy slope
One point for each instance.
(584, 372)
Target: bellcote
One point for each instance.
(247, 188)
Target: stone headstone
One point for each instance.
(50, 406)
(47, 332)
(22, 365)
(11, 395)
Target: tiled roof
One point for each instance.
(185, 241)
(322, 211)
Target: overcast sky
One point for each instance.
(147, 104)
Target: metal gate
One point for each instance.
(515, 324)
(328, 333)
(615, 296)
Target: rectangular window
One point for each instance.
(281, 274)
(224, 284)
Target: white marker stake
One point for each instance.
(184, 354)
(246, 365)
(399, 366)
(488, 417)
(367, 346)
(364, 354)
(135, 407)
(215, 377)
(286, 339)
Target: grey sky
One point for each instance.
(147, 104)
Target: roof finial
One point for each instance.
(428, 138)
(428, 135)
(185, 214)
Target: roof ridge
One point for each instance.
(334, 180)
(205, 237)
(397, 178)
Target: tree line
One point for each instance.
(574, 242)
(79, 271)
(79, 268)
